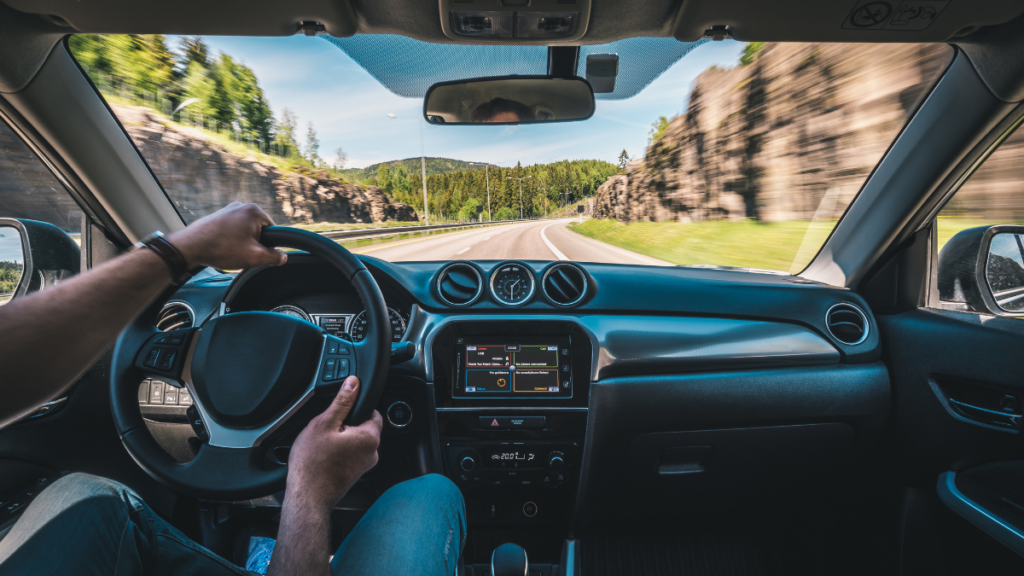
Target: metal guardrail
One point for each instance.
(363, 232)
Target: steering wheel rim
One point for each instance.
(230, 470)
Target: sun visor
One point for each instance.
(408, 67)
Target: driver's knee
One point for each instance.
(432, 495)
(77, 506)
(100, 499)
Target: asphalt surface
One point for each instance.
(542, 240)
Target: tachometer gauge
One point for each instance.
(512, 284)
(358, 328)
(295, 311)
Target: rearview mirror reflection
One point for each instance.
(1005, 271)
(509, 100)
(12, 262)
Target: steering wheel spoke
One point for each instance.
(249, 373)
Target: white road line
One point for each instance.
(544, 237)
(464, 250)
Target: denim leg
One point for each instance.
(87, 525)
(416, 527)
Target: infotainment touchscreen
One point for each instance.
(507, 367)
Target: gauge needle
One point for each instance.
(512, 289)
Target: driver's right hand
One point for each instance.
(329, 457)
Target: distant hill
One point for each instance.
(412, 165)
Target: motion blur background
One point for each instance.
(738, 155)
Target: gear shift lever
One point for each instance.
(509, 560)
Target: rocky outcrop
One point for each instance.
(201, 176)
(768, 140)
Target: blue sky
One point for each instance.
(349, 108)
(10, 244)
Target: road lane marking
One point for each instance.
(463, 250)
(544, 237)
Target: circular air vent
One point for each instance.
(175, 316)
(564, 284)
(847, 323)
(459, 284)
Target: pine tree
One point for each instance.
(312, 146)
(623, 160)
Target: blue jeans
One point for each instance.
(87, 525)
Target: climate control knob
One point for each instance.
(556, 463)
(467, 462)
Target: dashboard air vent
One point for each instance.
(847, 323)
(459, 284)
(175, 316)
(564, 284)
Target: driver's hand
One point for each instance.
(228, 239)
(328, 457)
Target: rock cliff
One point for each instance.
(200, 176)
(768, 140)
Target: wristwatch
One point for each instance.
(156, 242)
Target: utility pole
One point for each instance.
(488, 177)
(520, 193)
(423, 167)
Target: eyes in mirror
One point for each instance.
(509, 100)
(1005, 271)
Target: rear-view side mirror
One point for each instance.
(12, 262)
(509, 100)
(984, 268)
(33, 256)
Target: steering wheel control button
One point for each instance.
(530, 509)
(332, 346)
(399, 414)
(194, 420)
(152, 357)
(156, 392)
(170, 395)
(167, 358)
(342, 371)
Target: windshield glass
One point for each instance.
(709, 153)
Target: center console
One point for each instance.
(511, 403)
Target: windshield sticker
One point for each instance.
(912, 15)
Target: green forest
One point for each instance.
(412, 165)
(193, 86)
(188, 84)
(10, 273)
(532, 190)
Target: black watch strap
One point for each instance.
(156, 242)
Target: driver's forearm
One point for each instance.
(49, 338)
(303, 539)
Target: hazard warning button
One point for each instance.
(495, 423)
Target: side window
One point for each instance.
(28, 190)
(994, 194)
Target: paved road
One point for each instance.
(544, 240)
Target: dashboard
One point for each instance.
(550, 390)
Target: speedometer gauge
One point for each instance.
(358, 328)
(294, 311)
(512, 284)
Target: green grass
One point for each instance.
(949, 226)
(785, 246)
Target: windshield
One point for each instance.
(710, 153)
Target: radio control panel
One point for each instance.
(510, 466)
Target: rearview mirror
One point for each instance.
(984, 267)
(45, 256)
(509, 100)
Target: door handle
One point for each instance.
(984, 415)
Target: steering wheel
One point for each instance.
(248, 373)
